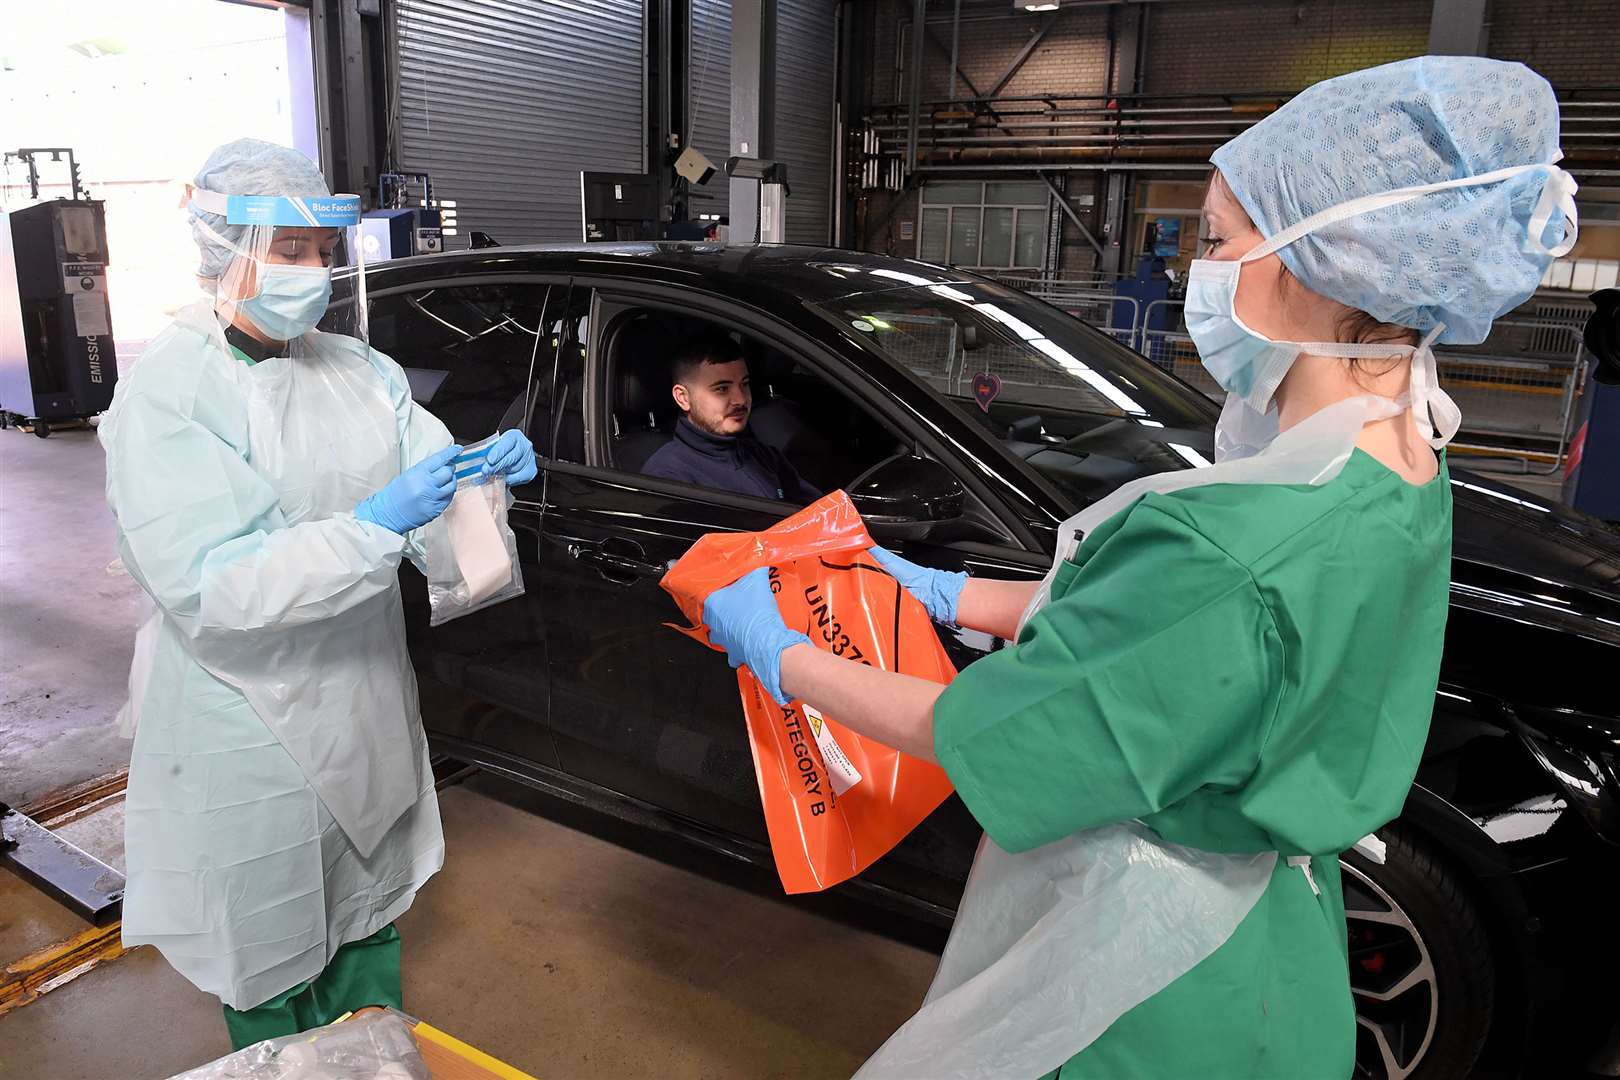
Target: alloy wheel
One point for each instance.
(1393, 979)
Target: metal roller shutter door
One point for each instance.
(804, 107)
(709, 99)
(505, 101)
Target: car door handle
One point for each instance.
(618, 559)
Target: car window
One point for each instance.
(469, 351)
(825, 437)
(1084, 411)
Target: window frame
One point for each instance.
(1019, 210)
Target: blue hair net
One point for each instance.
(247, 167)
(1460, 257)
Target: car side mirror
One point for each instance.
(908, 497)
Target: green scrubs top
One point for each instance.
(1243, 667)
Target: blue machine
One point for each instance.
(1592, 479)
(398, 230)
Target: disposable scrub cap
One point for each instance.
(246, 167)
(1459, 257)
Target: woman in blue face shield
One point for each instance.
(1226, 679)
(267, 479)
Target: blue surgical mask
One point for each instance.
(290, 300)
(1242, 361)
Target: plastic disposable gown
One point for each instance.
(280, 802)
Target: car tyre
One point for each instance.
(1422, 968)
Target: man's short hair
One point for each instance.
(701, 349)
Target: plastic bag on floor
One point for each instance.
(472, 559)
(834, 801)
(368, 1046)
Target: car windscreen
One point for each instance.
(1082, 409)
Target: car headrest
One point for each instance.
(643, 388)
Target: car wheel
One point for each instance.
(1421, 966)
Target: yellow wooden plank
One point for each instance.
(472, 1055)
(38, 973)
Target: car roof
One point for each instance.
(798, 270)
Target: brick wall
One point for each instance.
(1570, 42)
(1071, 59)
(1283, 45)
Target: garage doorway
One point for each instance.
(142, 93)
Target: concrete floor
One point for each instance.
(559, 951)
(68, 625)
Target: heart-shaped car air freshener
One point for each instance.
(986, 388)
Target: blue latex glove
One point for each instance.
(939, 590)
(414, 497)
(511, 455)
(743, 620)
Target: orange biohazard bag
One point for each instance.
(835, 802)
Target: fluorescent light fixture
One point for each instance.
(1149, 423)
(1036, 5)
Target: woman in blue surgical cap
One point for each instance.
(267, 479)
(1226, 679)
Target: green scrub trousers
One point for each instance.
(364, 972)
(1244, 668)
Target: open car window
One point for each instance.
(826, 437)
(1083, 410)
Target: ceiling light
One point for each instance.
(1036, 5)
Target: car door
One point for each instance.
(481, 356)
(645, 711)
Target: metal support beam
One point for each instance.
(1035, 39)
(668, 34)
(1070, 213)
(956, 44)
(852, 101)
(1116, 222)
(919, 24)
(753, 103)
(351, 87)
(1127, 48)
(1457, 28)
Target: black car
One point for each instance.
(968, 420)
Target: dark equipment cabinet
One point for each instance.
(57, 360)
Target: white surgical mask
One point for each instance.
(290, 300)
(1250, 366)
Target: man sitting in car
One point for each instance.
(712, 446)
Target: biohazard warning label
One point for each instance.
(835, 801)
(841, 773)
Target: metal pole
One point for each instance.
(956, 41)
(919, 19)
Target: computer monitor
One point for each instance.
(618, 206)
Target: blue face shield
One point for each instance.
(286, 301)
